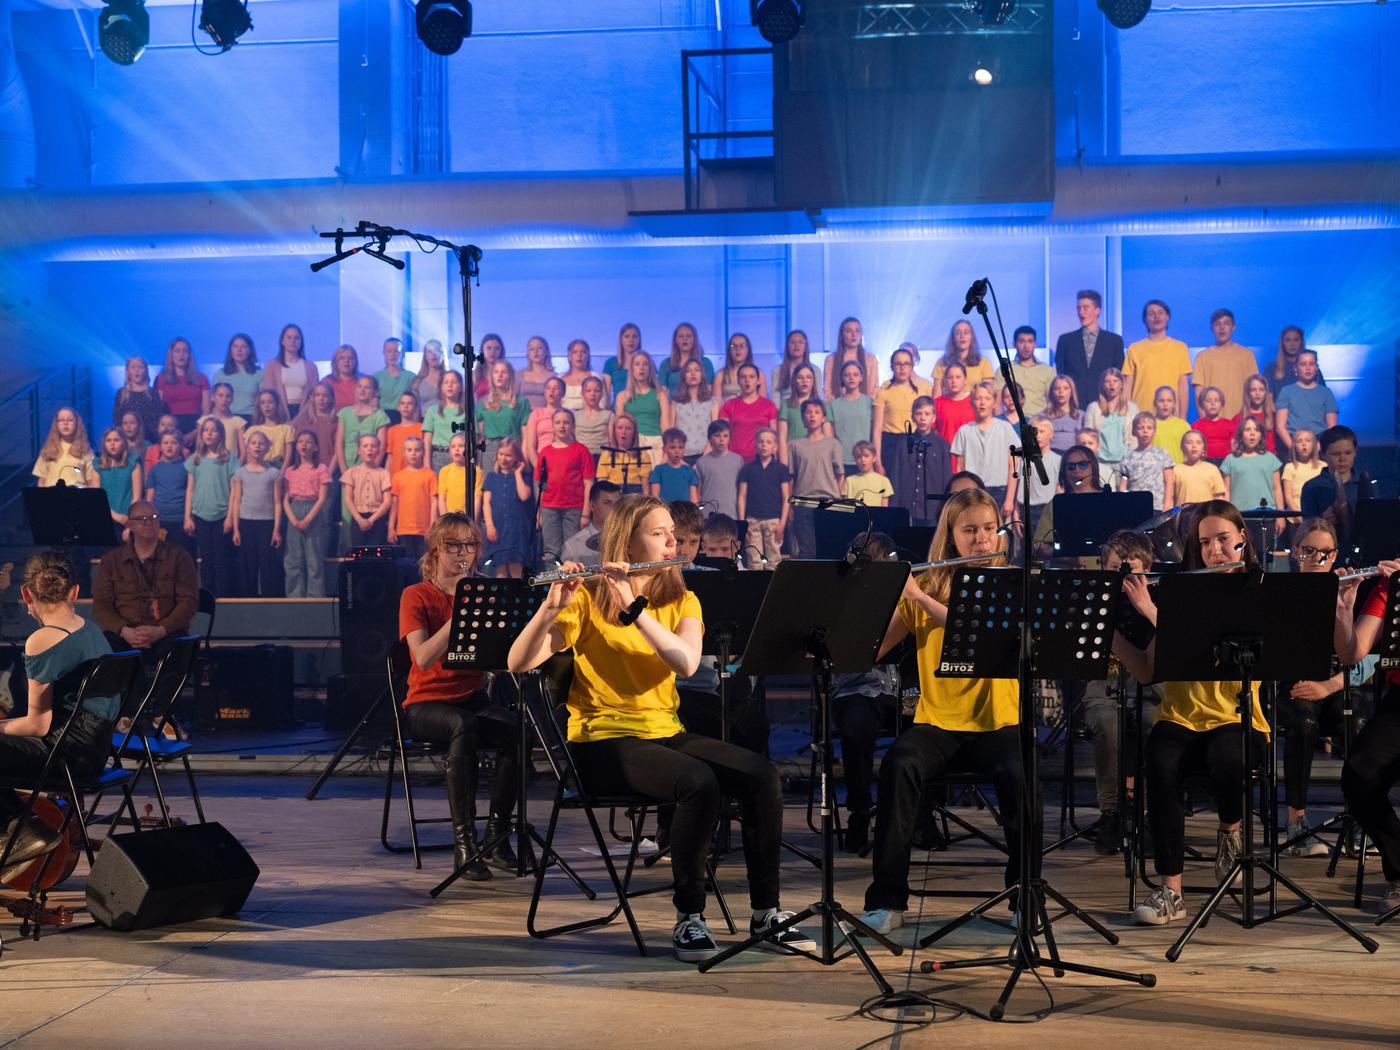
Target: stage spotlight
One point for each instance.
(981, 76)
(444, 24)
(995, 12)
(124, 30)
(778, 20)
(225, 21)
(1124, 14)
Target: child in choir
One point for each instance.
(1006, 407)
(539, 426)
(593, 422)
(119, 474)
(675, 478)
(452, 479)
(1108, 476)
(1171, 427)
(1303, 465)
(134, 434)
(1305, 404)
(306, 487)
(269, 418)
(748, 413)
(764, 488)
(1259, 405)
(817, 469)
(410, 424)
(953, 408)
(1062, 406)
(894, 401)
(154, 453)
(984, 447)
(718, 470)
(720, 538)
(366, 496)
(646, 402)
(1251, 471)
(1333, 494)
(501, 414)
(507, 510)
(166, 482)
(413, 502)
(1111, 415)
(790, 426)
(1147, 468)
(210, 476)
(451, 408)
(625, 463)
(872, 489)
(1197, 479)
(694, 407)
(1218, 430)
(1041, 495)
(922, 465)
(66, 455)
(566, 475)
(354, 421)
(852, 413)
(220, 408)
(255, 505)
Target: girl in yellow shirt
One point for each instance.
(1198, 725)
(966, 721)
(631, 636)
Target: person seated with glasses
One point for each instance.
(1079, 474)
(147, 590)
(450, 706)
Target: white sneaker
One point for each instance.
(692, 940)
(1228, 846)
(1391, 900)
(881, 920)
(1163, 906)
(1311, 846)
(792, 937)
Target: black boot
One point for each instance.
(461, 802)
(500, 855)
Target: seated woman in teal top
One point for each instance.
(57, 656)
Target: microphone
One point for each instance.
(975, 295)
(909, 435)
(845, 506)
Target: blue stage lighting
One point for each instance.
(1124, 14)
(778, 20)
(124, 30)
(444, 24)
(225, 21)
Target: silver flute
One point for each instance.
(1359, 574)
(544, 579)
(1154, 577)
(924, 566)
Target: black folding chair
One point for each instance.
(571, 793)
(401, 749)
(109, 675)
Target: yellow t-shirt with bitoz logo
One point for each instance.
(959, 705)
(1203, 706)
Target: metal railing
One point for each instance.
(705, 114)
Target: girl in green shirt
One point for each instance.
(501, 414)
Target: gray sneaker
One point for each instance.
(1309, 846)
(1228, 846)
(1163, 906)
(1391, 900)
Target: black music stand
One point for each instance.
(487, 616)
(632, 460)
(914, 542)
(1071, 623)
(836, 530)
(69, 516)
(730, 601)
(1375, 532)
(1083, 523)
(1248, 627)
(821, 618)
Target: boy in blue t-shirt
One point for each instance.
(165, 488)
(764, 487)
(1305, 404)
(674, 479)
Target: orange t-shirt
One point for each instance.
(413, 494)
(397, 435)
(424, 607)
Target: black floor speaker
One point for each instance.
(369, 612)
(144, 879)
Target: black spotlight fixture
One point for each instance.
(778, 20)
(1124, 14)
(124, 30)
(225, 21)
(444, 24)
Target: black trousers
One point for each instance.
(921, 753)
(748, 717)
(1371, 770)
(694, 773)
(1303, 723)
(1172, 752)
(857, 720)
(465, 727)
(259, 562)
(85, 748)
(216, 571)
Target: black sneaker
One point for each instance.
(34, 840)
(692, 941)
(1109, 837)
(857, 832)
(792, 937)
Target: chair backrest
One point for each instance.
(396, 667)
(207, 604)
(540, 706)
(109, 675)
(172, 672)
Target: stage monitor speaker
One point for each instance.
(250, 687)
(349, 696)
(144, 879)
(369, 612)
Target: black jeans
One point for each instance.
(857, 720)
(921, 753)
(748, 717)
(1371, 770)
(216, 573)
(85, 747)
(1173, 751)
(1303, 722)
(695, 772)
(259, 562)
(464, 727)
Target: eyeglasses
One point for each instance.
(143, 519)
(1077, 464)
(456, 547)
(1306, 553)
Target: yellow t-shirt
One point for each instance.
(620, 687)
(967, 705)
(1170, 431)
(452, 486)
(1226, 367)
(984, 369)
(1203, 706)
(1199, 482)
(868, 488)
(611, 468)
(1295, 476)
(898, 402)
(279, 436)
(1149, 365)
(68, 468)
(233, 428)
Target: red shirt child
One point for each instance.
(1219, 434)
(563, 470)
(425, 607)
(949, 413)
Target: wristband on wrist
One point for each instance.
(629, 615)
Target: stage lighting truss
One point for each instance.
(225, 21)
(124, 30)
(778, 21)
(443, 24)
(1124, 14)
(952, 18)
